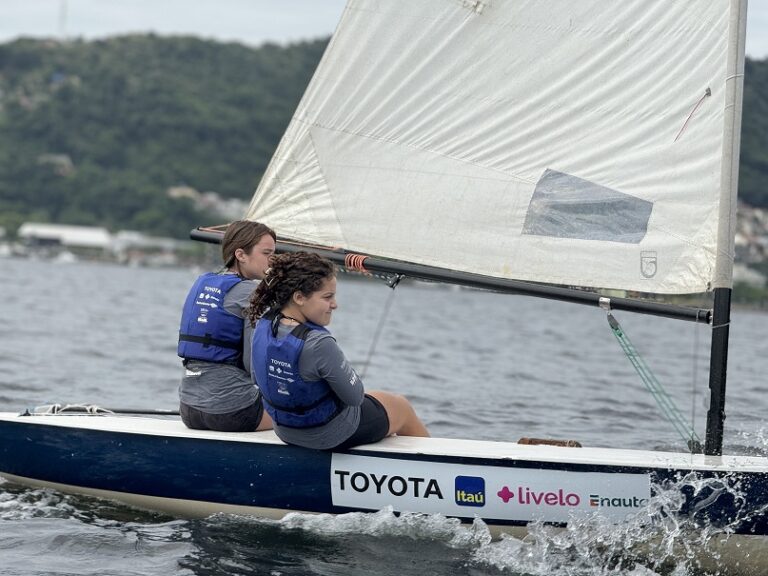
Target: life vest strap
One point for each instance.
(298, 409)
(207, 340)
(274, 316)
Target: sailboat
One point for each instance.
(558, 149)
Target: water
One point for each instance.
(475, 365)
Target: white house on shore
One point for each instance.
(125, 247)
(71, 237)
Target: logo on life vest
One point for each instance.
(470, 491)
(281, 373)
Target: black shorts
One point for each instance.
(374, 424)
(245, 420)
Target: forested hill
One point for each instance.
(96, 132)
(136, 115)
(753, 178)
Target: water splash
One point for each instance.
(755, 442)
(675, 535)
(20, 503)
(386, 523)
(666, 538)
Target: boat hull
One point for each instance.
(158, 464)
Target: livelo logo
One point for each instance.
(526, 495)
(596, 501)
(383, 483)
(470, 491)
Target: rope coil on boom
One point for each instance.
(356, 263)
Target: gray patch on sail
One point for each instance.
(564, 206)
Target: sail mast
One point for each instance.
(724, 262)
(718, 366)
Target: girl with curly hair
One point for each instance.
(313, 395)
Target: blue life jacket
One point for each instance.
(208, 331)
(290, 401)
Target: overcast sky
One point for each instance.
(249, 21)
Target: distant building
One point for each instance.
(71, 237)
(228, 208)
(135, 248)
(60, 163)
(177, 192)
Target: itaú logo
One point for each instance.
(470, 491)
(526, 495)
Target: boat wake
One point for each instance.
(583, 550)
(669, 537)
(85, 536)
(385, 523)
(658, 541)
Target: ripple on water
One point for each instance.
(537, 368)
(84, 535)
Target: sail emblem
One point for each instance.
(648, 264)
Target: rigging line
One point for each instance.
(664, 401)
(707, 94)
(659, 395)
(384, 314)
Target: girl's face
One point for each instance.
(253, 264)
(319, 306)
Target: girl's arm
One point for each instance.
(331, 365)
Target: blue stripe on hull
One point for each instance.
(245, 474)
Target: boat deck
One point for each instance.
(462, 448)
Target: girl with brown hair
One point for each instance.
(313, 395)
(216, 392)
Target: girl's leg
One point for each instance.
(402, 417)
(265, 423)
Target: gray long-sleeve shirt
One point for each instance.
(322, 359)
(222, 388)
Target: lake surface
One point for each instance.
(474, 364)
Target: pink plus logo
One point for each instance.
(505, 494)
(527, 496)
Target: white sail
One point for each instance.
(579, 142)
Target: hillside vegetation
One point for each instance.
(96, 132)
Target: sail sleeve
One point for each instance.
(573, 142)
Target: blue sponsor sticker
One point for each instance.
(470, 491)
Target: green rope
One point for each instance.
(663, 399)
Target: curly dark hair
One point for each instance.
(288, 273)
